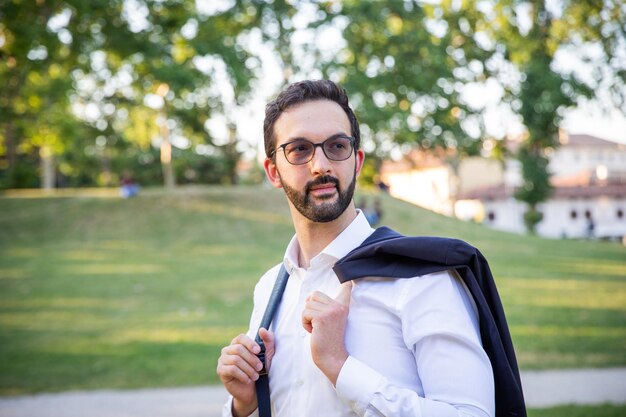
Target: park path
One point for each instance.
(541, 388)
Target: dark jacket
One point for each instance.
(386, 253)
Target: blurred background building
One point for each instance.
(588, 178)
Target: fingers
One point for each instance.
(345, 293)
(343, 296)
(315, 303)
(319, 297)
(320, 306)
(247, 342)
(307, 320)
(228, 373)
(239, 361)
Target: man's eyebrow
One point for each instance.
(336, 135)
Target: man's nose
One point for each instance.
(320, 164)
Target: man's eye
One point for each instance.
(338, 145)
(300, 148)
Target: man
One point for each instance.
(375, 347)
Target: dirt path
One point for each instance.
(542, 389)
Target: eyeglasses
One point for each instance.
(301, 151)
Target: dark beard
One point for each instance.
(326, 211)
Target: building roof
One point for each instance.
(568, 140)
(591, 191)
(494, 192)
(584, 140)
(614, 189)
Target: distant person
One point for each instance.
(378, 345)
(382, 186)
(591, 226)
(378, 211)
(128, 186)
(370, 213)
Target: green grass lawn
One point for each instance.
(99, 292)
(606, 410)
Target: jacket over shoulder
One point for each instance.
(386, 253)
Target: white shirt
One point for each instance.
(414, 344)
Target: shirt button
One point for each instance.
(303, 333)
(299, 383)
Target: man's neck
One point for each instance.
(313, 237)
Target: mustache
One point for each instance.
(325, 179)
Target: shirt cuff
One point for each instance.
(227, 410)
(357, 383)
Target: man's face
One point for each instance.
(320, 189)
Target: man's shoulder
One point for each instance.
(389, 253)
(269, 277)
(271, 273)
(389, 241)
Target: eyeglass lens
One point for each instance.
(301, 151)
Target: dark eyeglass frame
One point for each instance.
(315, 146)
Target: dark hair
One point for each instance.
(301, 92)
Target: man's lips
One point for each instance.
(323, 188)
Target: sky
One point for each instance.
(589, 118)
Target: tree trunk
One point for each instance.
(47, 168)
(455, 185)
(11, 154)
(107, 173)
(231, 155)
(169, 177)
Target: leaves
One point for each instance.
(531, 33)
(104, 57)
(97, 66)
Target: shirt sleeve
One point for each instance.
(440, 326)
(227, 410)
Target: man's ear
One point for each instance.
(360, 158)
(272, 173)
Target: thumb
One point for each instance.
(268, 341)
(267, 337)
(345, 292)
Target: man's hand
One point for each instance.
(325, 318)
(238, 367)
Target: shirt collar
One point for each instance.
(351, 237)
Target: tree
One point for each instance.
(406, 65)
(34, 66)
(529, 35)
(106, 61)
(184, 68)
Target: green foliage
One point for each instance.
(536, 187)
(107, 57)
(369, 173)
(404, 64)
(532, 217)
(192, 168)
(90, 85)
